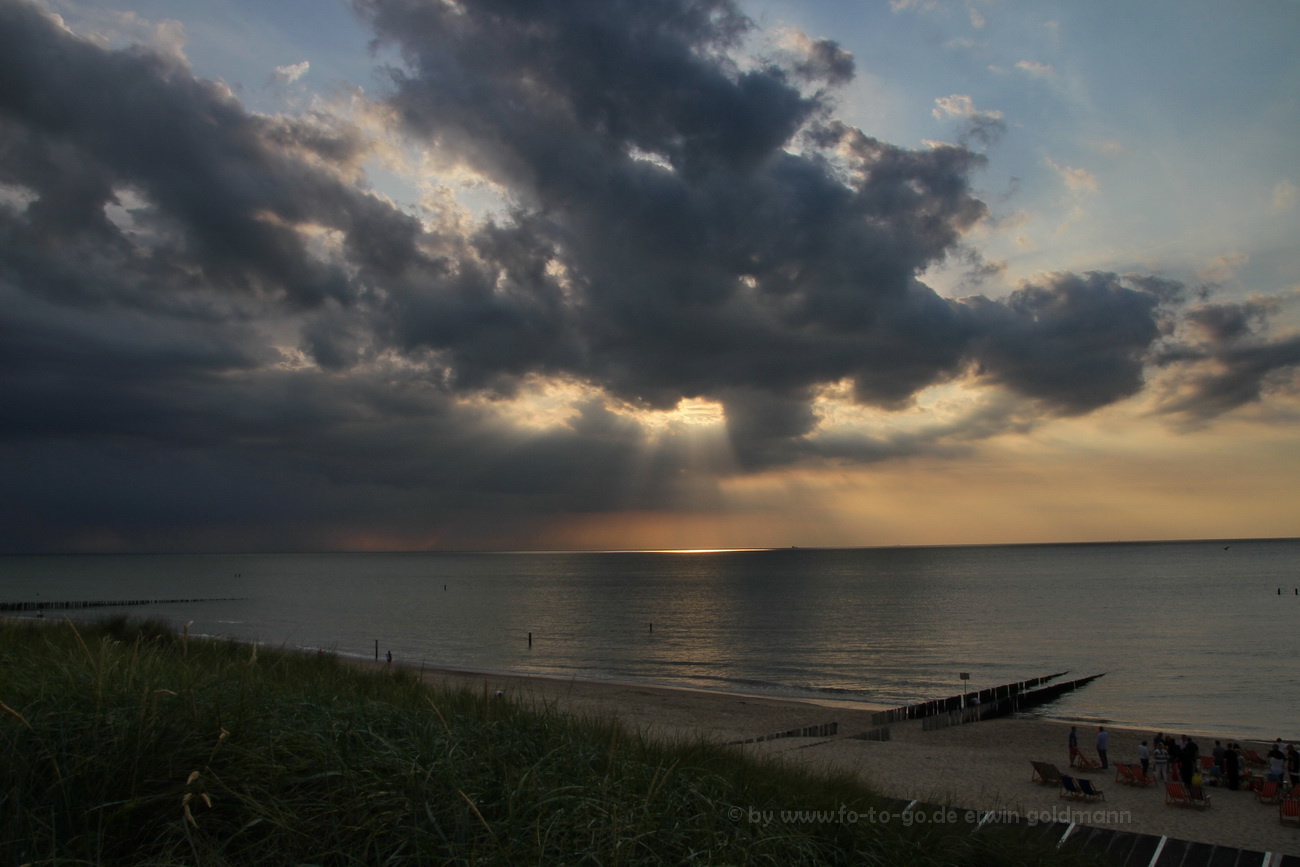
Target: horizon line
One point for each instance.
(709, 550)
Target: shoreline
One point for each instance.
(1221, 733)
(982, 766)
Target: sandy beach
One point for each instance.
(980, 766)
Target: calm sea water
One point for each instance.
(1190, 635)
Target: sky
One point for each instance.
(629, 274)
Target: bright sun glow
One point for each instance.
(543, 404)
(690, 413)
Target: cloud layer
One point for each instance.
(210, 325)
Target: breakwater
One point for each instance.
(74, 605)
(994, 701)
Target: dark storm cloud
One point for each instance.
(741, 267)
(160, 254)
(207, 326)
(1076, 342)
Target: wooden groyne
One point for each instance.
(1001, 700)
(104, 603)
(824, 730)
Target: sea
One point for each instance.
(1192, 636)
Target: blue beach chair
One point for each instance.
(1070, 787)
(1088, 791)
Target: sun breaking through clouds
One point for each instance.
(663, 292)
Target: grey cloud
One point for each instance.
(1076, 342)
(1222, 323)
(1227, 359)
(824, 60)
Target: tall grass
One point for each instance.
(128, 743)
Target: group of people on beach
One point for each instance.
(1178, 759)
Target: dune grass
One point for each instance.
(125, 742)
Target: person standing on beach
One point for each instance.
(1175, 759)
(1144, 756)
(1187, 753)
(1232, 766)
(1293, 765)
(1074, 745)
(1276, 764)
(1103, 743)
(1161, 756)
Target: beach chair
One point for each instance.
(1176, 795)
(1087, 764)
(1045, 773)
(1090, 793)
(1196, 795)
(1288, 811)
(1070, 788)
(1132, 775)
(1269, 793)
(1254, 758)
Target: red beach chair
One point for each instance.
(1132, 775)
(1177, 795)
(1254, 758)
(1268, 793)
(1288, 810)
(1082, 761)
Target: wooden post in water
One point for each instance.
(376, 650)
(530, 639)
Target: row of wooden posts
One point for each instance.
(994, 701)
(99, 603)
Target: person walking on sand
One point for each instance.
(1074, 745)
(390, 657)
(1161, 756)
(1103, 743)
